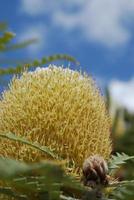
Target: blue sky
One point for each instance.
(98, 33)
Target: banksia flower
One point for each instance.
(59, 108)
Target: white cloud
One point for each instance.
(34, 32)
(122, 94)
(103, 21)
(39, 7)
(32, 7)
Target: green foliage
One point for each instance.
(40, 180)
(20, 45)
(121, 190)
(126, 142)
(45, 180)
(120, 193)
(119, 159)
(6, 39)
(23, 140)
(48, 180)
(6, 44)
(37, 63)
(122, 143)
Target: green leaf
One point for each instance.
(118, 159)
(44, 180)
(10, 168)
(23, 140)
(37, 63)
(9, 192)
(17, 174)
(6, 37)
(122, 183)
(123, 192)
(20, 45)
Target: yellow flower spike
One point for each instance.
(59, 108)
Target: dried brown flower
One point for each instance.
(95, 171)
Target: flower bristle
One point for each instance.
(59, 108)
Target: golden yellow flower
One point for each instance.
(59, 108)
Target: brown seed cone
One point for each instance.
(95, 171)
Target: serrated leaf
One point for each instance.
(6, 37)
(118, 159)
(9, 192)
(9, 168)
(16, 174)
(36, 63)
(122, 183)
(20, 45)
(41, 179)
(23, 140)
(122, 193)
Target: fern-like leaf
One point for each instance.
(9, 192)
(118, 159)
(123, 190)
(44, 180)
(122, 183)
(23, 140)
(6, 37)
(36, 63)
(20, 45)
